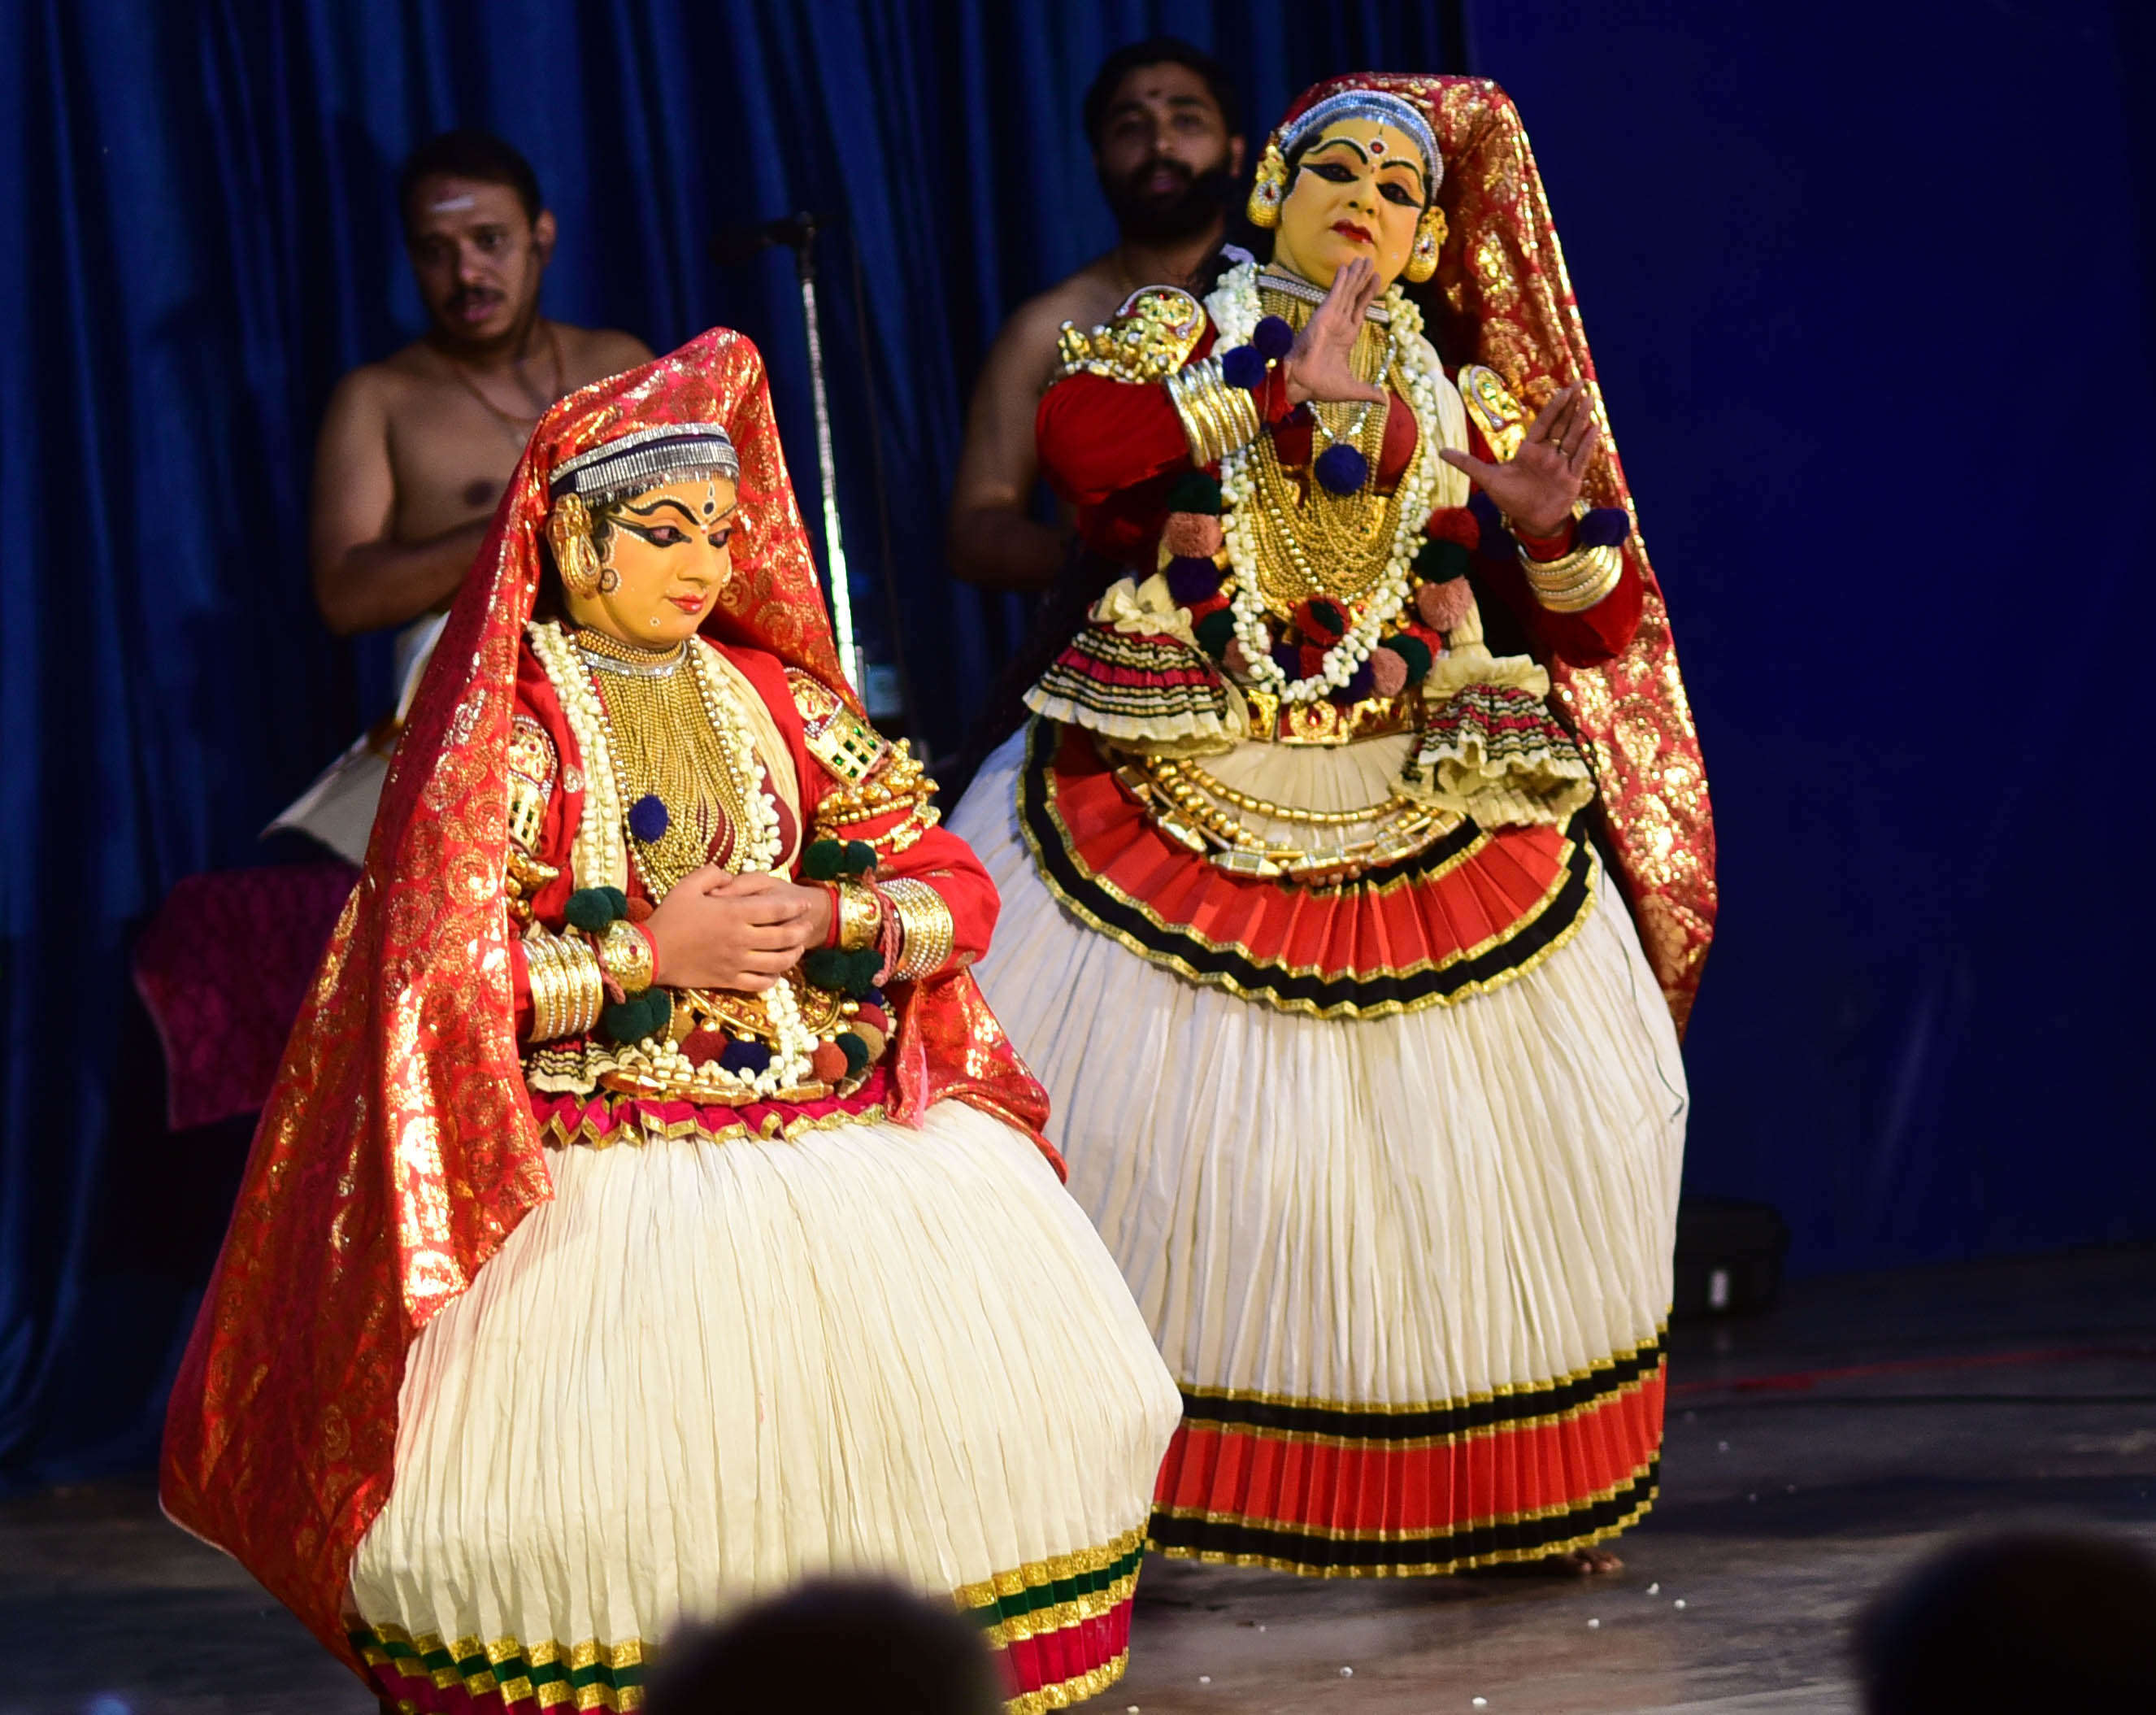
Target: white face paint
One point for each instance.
(451, 205)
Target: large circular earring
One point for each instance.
(1429, 240)
(1269, 190)
(569, 534)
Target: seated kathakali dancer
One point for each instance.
(1355, 1053)
(650, 1212)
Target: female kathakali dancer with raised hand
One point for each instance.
(1353, 1048)
(650, 1212)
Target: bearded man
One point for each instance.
(1166, 143)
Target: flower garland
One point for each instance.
(600, 853)
(1235, 310)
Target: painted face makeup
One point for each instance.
(669, 554)
(1357, 192)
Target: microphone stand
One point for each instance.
(798, 232)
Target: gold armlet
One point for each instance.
(1147, 340)
(1575, 582)
(901, 784)
(1217, 418)
(624, 954)
(860, 915)
(566, 989)
(926, 932)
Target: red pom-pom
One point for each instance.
(1310, 660)
(827, 1062)
(1442, 606)
(704, 1046)
(1214, 603)
(1454, 524)
(875, 1018)
(640, 909)
(1193, 534)
(1322, 620)
(1236, 659)
(1388, 673)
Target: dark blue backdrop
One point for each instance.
(1870, 302)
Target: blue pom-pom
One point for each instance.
(1497, 543)
(871, 997)
(1244, 367)
(1360, 684)
(1342, 468)
(1273, 337)
(648, 819)
(745, 1059)
(1288, 659)
(1604, 528)
(1192, 579)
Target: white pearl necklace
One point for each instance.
(1235, 308)
(599, 858)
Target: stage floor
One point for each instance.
(1909, 1407)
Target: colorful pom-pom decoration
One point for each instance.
(1195, 534)
(1244, 367)
(591, 909)
(1361, 683)
(1309, 661)
(828, 1062)
(1196, 492)
(1388, 673)
(824, 967)
(1495, 542)
(872, 1040)
(632, 1021)
(1440, 559)
(820, 862)
(858, 858)
(1273, 337)
(703, 1046)
(648, 819)
(1604, 528)
(1191, 579)
(1454, 524)
(1413, 654)
(1288, 659)
(746, 1058)
(639, 910)
(1341, 469)
(1215, 633)
(1442, 606)
(1319, 617)
(871, 1017)
(1234, 657)
(856, 1052)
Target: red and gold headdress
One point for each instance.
(397, 1150)
(1509, 306)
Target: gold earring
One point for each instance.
(1269, 190)
(1430, 240)
(569, 534)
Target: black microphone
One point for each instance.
(733, 245)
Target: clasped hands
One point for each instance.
(1536, 488)
(717, 930)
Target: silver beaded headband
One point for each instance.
(644, 457)
(1374, 104)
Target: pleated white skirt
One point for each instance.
(707, 1369)
(1401, 1211)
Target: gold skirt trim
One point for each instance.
(591, 1133)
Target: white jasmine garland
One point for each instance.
(599, 857)
(1235, 309)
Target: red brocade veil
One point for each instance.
(397, 1150)
(1507, 303)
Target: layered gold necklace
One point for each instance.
(668, 750)
(1313, 542)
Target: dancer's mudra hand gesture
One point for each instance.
(1536, 489)
(1322, 365)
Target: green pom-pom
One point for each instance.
(591, 909)
(858, 858)
(821, 860)
(861, 968)
(648, 1015)
(1414, 652)
(1215, 632)
(1195, 493)
(1441, 561)
(825, 967)
(856, 1052)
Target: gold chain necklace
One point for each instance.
(1319, 543)
(666, 746)
(517, 428)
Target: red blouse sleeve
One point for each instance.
(1098, 436)
(1584, 640)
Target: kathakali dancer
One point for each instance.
(649, 1211)
(1354, 1049)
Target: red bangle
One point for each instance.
(831, 891)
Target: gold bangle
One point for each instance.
(1216, 417)
(860, 915)
(926, 932)
(1576, 582)
(543, 972)
(586, 987)
(624, 954)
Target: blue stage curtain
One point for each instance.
(197, 237)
